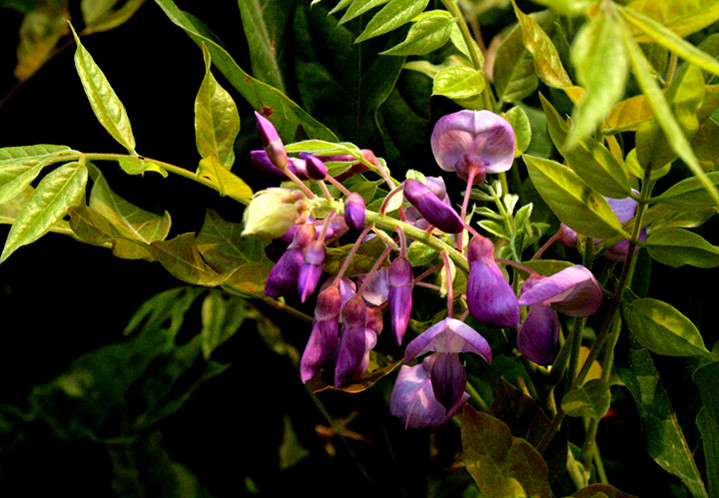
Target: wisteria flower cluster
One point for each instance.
(348, 317)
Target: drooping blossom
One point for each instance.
(624, 209)
(431, 207)
(400, 277)
(445, 340)
(308, 276)
(573, 291)
(271, 141)
(413, 400)
(354, 342)
(473, 140)
(322, 345)
(490, 298)
(282, 279)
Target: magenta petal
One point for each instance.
(350, 356)
(413, 400)
(449, 336)
(538, 336)
(485, 137)
(376, 291)
(573, 291)
(432, 208)
(310, 271)
(320, 349)
(448, 377)
(282, 279)
(400, 277)
(355, 211)
(271, 141)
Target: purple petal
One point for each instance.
(449, 336)
(432, 208)
(538, 336)
(376, 291)
(573, 291)
(320, 349)
(311, 269)
(414, 403)
(282, 279)
(271, 141)
(400, 277)
(350, 356)
(490, 298)
(482, 138)
(448, 377)
(355, 211)
(314, 168)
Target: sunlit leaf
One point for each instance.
(217, 121)
(181, 257)
(568, 7)
(664, 438)
(522, 129)
(572, 200)
(392, 16)
(104, 101)
(683, 17)
(458, 82)
(429, 33)
(676, 247)
(59, 190)
(601, 67)
(357, 8)
(546, 59)
(689, 194)
(227, 183)
(501, 464)
(513, 69)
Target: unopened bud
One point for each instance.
(355, 211)
(273, 211)
(271, 141)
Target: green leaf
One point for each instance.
(138, 166)
(663, 329)
(227, 183)
(343, 83)
(102, 15)
(546, 59)
(522, 129)
(705, 377)
(683, 17)
(513, 69)
(568, 7)
(600, 491)
(589, 400)
(357, 8)
(664, 438)
(19, 166)
(572, 200)
(392, 16)
(129, 220)
(628, 114)
(458, 82)
(287, 116)
(15, 179)
(502, 465)
(429, 33)
(265, 23)
(59, 190)
(672, 130)
(217, 122)
(589, 159)
(688, 194)
(668, 39)
(221, 319)
(602, 68)
(181, 257)
(104, 101)
(242, 259)
(676, 247)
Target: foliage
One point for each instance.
(608, 104)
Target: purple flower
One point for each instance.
(314, 168)
(400, 277)
(448, 336)
(322, 345)
(282, 279)
(308, 277)
(376, 291)
(431, 207)
(353, 343)
(413, 400)
(355, 211)
(624, 209)
(490, 298)
(573, 291)
(479, 140)
(271, 141)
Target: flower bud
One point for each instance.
(432, 208)
(400, 277)
(271, 141)
(273, 211)
(322, 345)
(314, 168)
(355, 211)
